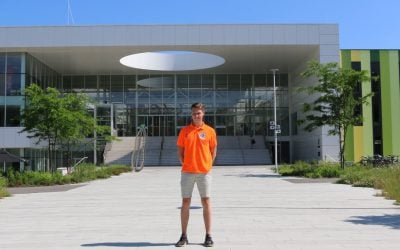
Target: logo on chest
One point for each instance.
(202, 135)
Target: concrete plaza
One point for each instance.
(253, 208)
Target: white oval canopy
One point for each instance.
(172, 60)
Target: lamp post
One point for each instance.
(275, 124)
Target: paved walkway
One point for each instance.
(253, 209)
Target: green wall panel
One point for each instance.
(390, 94)
(349, 149)
(345, 59)
(368, 140)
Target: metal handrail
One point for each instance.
(330, 157)
(79, 162)
(72, 169)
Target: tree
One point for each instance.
(77, 124)
(56, 119)
(337, 103)
(41, 116)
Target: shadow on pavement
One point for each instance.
(127, 244)
(43, 189)
(256, 175)
(388, 220)
(192, 207)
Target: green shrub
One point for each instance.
(329, 171)
(391, 183)
(312, 174)
(310, 170)
(67, 179)
(10, 177)
(87, 172)
(58, 178)
(103, 173)
(44, 179)
(82, 173)
(3, 185)
(14, 178)
(31, 178)
(284, 170)
(118, 169)
(386, 179)
(299, 168)
(359, 176)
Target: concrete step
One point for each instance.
(228, 142)
(232, 150)
(256, 157)
(229, 157)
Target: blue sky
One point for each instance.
(363, 24)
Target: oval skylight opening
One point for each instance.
(172, 60)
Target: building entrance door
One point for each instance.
(158, 125)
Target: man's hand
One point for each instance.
(181, 152)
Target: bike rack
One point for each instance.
(138, 152)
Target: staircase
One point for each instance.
(152, 151)
(162, 151)
(119, 151)
(238, 150)
(169, 154)
(229, 151)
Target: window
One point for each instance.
(2, 86)
(13, 116)
(294, 123)
(2, 63)
(13, 84)
(2, 115)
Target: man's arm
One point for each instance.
(213, 152)
(181, 152)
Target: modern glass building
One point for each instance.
(238, 94)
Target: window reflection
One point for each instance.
(2, 115)
(13, 84)
(13, 116)
(2, 84)
(237, 104)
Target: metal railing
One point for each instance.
(72, 169)
(329, 158)
(80, 161)
(138, 153)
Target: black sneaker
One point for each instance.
(208, 242)
(182, 241)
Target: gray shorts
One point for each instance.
(203, 182)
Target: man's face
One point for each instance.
(197, 115)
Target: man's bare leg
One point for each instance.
(208, 242)
(185, 210)
(184, 222)
(207, 214)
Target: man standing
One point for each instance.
(197, 148)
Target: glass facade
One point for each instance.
(18, 70)
(237, 104)
(12, 73)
